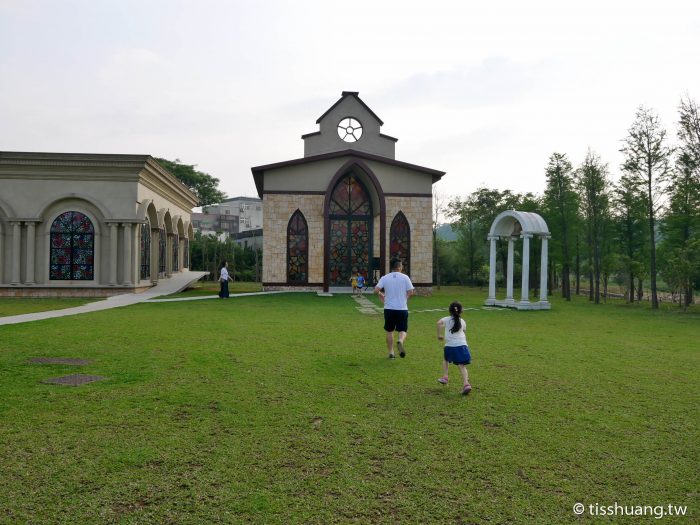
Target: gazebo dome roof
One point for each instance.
(507, 224)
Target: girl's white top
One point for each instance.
(224, 274)
(458, 338)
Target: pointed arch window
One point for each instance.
(72, 248)
(146, 250)
(297, 249)
(350, 226)
(400, 241)
(186, 254)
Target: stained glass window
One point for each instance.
(72, 241)
(176, 253)
(297, 249)
(400, 241)
(161, 252)
(145, 251)
(350, 212)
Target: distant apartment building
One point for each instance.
(231, 216)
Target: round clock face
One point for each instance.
(350, 129)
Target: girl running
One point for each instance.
(453, 330)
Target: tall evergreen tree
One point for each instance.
(689, 134)
(592, 182)
(560, 207)
(680, 248)
(647, 162)
(629, 214)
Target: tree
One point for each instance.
(201, 184)
(689, 134)
(680, 246)
(647, 163)
(438, 210)
(629, 211)
(592, 181)
(560, 206)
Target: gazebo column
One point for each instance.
(126, 260)
(16, 244)
(509, 273)
(31, 247)
(492, 270)
(525, 290)
(543, 271)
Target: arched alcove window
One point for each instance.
(186, 254)
(350, 217)
(145, 251)
(72, 248)
(297, 249)
(400, 241)
(161, 252)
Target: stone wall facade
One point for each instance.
(278, 209)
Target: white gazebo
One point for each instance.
(511, 225)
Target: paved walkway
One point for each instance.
(176, 283)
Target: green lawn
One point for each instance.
(25, 305)
(284, 409)
(201, 288)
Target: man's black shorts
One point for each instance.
(396, 320)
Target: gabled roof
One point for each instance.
(258, 171)
(350, 94)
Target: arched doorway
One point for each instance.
(350, 231)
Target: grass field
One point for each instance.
(23, 305)
(284, 409)
(201, 288)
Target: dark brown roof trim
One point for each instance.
(388, 194)
(259, 170)
(311, 134)
(351, 94)
(293, 192)
(388, 137)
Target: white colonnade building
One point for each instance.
(511, 226)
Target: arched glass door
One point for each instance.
(350, 216)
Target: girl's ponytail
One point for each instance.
(456, 313)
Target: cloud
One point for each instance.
(494, 81)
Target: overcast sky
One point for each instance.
(484, 91)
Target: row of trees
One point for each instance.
(642, 227)
(208, 251)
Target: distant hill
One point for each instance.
(445, 233)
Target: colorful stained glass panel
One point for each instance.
(72, 248)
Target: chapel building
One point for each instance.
(348, 206)
(80, 224)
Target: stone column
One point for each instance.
(112, 253)
(155, 250)
(543, 271)
(492, 270)
(509, 273)
(168, 254)
(126, 254)
(525, 291)
(16, 245)
(31, 247)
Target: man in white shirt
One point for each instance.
(397, 288)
